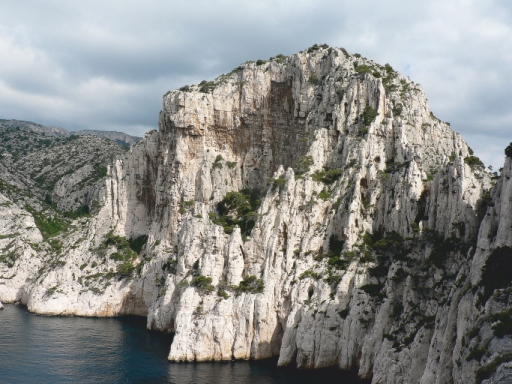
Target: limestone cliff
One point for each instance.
(310, 207)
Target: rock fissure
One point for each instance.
(369, 246)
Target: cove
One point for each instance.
(42, 349)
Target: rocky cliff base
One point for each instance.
(310, 207)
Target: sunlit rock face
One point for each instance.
(310, 207)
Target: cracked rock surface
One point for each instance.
(310, 207)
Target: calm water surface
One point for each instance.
(40, 349)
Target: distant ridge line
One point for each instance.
(119, 137)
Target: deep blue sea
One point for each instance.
(41, 349)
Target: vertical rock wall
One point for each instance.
(367, 246)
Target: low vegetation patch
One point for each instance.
(127, 251)
(369, 115)
(489, 369)
(473, 161)
(304, 164)
(497, 271)
(47, 224)
(327, 176)
(203, 283)
(503, 323)
(278, 183)
(206, 86)
(443, 248)
(374, 290)
(237, 209)
(251, 284)
(508, 151)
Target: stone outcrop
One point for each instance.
(310, 207)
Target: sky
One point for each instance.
(106, 64)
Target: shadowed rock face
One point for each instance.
(368, 240)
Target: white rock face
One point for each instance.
(400, 304)
(22, 250)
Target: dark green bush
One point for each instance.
(473, 161)
(369, 115)
(277, 183)
(48, 225)
(304, 164)
(364, 69)
(374, 290)
(328, 176)
(380, 270)
(206, 86)
(280, 58)
(391, 242)
(442, 249)
(316, 47)
(508, 150)
(337, 262)
(476, 354)
(362, 131)
(137, 243)
(237, 209)
(218, 162)
(125, 269)
(222, 293)
(487, 371)
(324, 195)
(503, 324)
(251, 284)
(309, 273)
(203, 283)
(83, 211)
(497, 271)
(397, 109)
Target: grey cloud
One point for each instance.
(106, 65)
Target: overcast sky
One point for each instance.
(106, 64)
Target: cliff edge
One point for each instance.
(310, 207)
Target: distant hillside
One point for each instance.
(118, 137)
(49, 168)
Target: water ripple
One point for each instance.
(41, 349)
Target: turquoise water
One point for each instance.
(41, 349)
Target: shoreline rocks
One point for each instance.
(371, 219)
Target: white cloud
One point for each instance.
(100, 64)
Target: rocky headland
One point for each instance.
(310, 207)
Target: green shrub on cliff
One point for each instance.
(327, 176)
(237, 209)
(49, 224)
(369, 115)
(251, 284)
(497, 271)
(508, 151)
(203, 283)
(473, 161)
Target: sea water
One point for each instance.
(42, 349)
